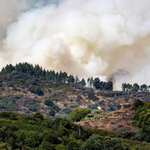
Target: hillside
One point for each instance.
(25, 90)
(113, 120)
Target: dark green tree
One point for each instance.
(124, 87)
(143, 88)
(129, 87)
(109, 86)
(82, 82)
(135, 87)
(96, 83)
(71, 79)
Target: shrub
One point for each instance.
(97, 142)
(36, 89)
(52, 113)
(31, 82)
(38, 115)
(62, 131)
(124, 133)
(78, 98)
(71, 99)
(8, 115)
(45, 145)
(48, 102)
(127, 106)
(73, 105)
(1, 84)
(4, 146)
(66, 110)
(63, 115)
(79, 113)
(92, 97)
(47, 123)
(65, 104)
(8, 84)
(32, 108)
(4, 128)
(65, 123)
(55, 107)
(94, 142)
(138, 103)
(73, 145)
(32, 139)
(139, 135)
(102, 125)
(1, 105)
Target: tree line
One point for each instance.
(126, 87)
(59, 77)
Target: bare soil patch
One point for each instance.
(115, 120)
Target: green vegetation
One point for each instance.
(107, 86)
(79, 113)
(135, 87)
(36, 92)
(97, 142)
(39, 132)
(92, 97)
(48, 102)
(35, 89)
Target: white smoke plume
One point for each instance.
(87, 37)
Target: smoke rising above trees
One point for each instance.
(87, 38)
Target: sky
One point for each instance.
(105, 38)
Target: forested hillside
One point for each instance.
(26, 89)
(37, 105)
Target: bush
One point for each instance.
(32, 108)
(1, 106)
(79, 113)
(97, 142)
(138, 103)
(62, 131)
(46, 146)
(56, 108)
(8, 84)
(139, 136)
(127, 106)
(63, 115)
(73, 105)
(38, 115)
(52, 113)
(71, 99)
(66, 110)
(4, 146)
(48, 102)
(36, 89)
(92, 97)
(50, 136)
(4, 128)
(73, 145)
(124, 133)
(78, 98)
(8, 115)
(31, 82)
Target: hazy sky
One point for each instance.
(84, 37)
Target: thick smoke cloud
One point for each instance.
(85, 37)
